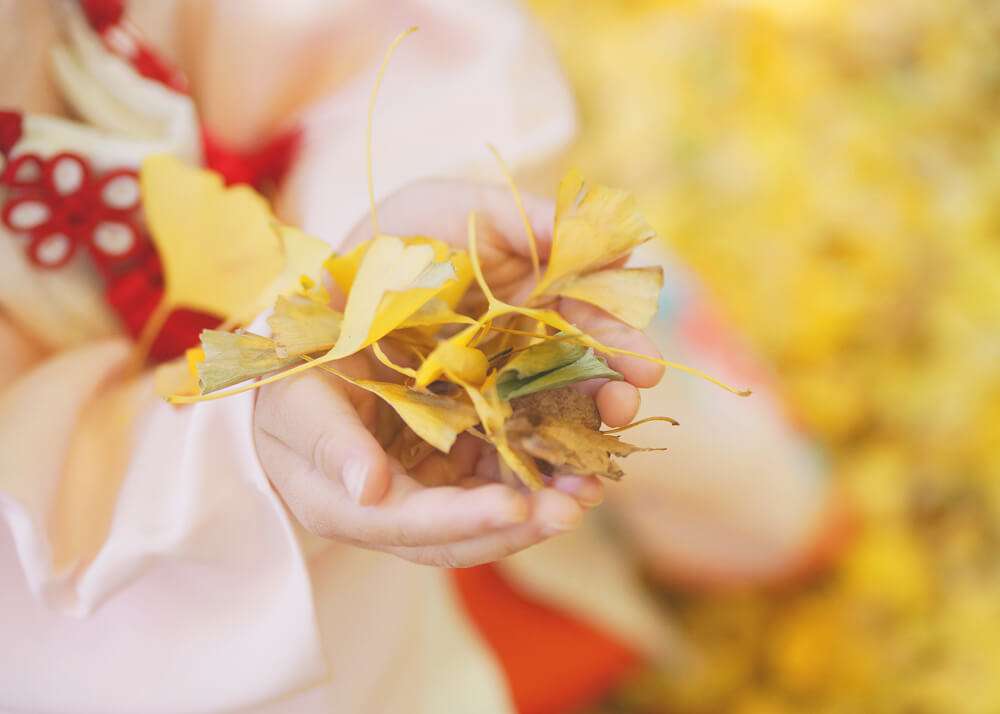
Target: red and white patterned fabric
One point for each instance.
(59, 205)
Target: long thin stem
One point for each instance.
(371, 119)
(669, 420)
(532, 241)
(477, 268)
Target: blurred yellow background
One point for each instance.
(831, 168)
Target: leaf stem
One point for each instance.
(669, 420)
(371, 119)
(532, 241)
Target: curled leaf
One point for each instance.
(569, 446)
(568, 363)
(493, 414)
(437, 361)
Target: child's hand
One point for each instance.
(314, 433)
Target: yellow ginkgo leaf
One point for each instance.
(630, 294)
(393, 282)
(234, 357)
(437, 361)
(436, 419)
(594, 226)
(454, 292)
(218, 245)
(464, 364)
(493, 415)
(434, 313)
(498, 308)
(301, 326)
(343, 268)
(304, 256)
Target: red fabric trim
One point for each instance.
(554, 663)
(102, 14)
(263, 167)
(11, 127)
(11, 175)
(136, 293)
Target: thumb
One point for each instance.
(313, 416)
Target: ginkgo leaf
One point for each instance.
(343, 268)
(493, 414)
(454, 292)
(587, 366)
(630, 294)
(463, 364)
(434, 313)
(543, 357)
(304, 256)
(180, 375)
(393, 282)
(302, 326)
(594, 226)
(498, 308)
(218, 246)
(234, 357)
(436, 419)
(568, 446)
(434, 366)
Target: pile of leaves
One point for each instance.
(503, 375)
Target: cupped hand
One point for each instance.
(314, 433)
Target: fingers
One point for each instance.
(440, 208)
(617, 402)
(314, 418)
(587, 490)
(610, 331)
(553, 513)
(429, 516)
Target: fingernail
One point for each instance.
(353, 475)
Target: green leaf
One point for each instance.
(551, 365)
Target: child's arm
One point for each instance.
(314, 434)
